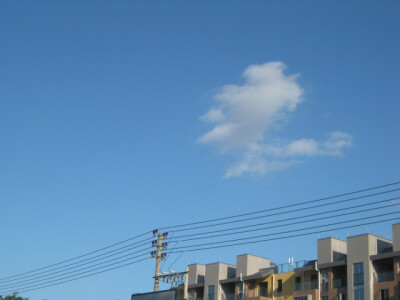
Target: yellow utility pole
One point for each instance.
(158, 255)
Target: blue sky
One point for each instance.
(118, 117)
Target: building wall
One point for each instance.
(248, 264)
(396, 237)
(360, 248)
(287, 285)
(327, 246)
(306, 277)
(214, 273)
(196, 273)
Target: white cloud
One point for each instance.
(244, 113)
(213, 116)
(333, 146)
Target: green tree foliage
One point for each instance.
(13, 297)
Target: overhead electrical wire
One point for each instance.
(85, 272)
(284, 206)
(294, 218)
(287, 237)
(89, 260)
(46, 284)
(285, 212)
(242, 220)
(77, 257)
(35, 276)
(294, 230)
(32, 280)
(23, 279)
(100, 272)
(284, 225)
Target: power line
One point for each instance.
(100, 272)
(47, 274)
(285, 206)
(42, 285)
(284, 225)
(90, 260)
(10, 291)
(295, 230)
(241, 239)
(33, 280)
(280, 213)
(83, 255)
(285, 237)
(293, 218)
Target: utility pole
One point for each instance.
(158, 255)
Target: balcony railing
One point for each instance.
(338, 283)
(384, 276)
(307, 285)
(282, 268)
(228, 296)
(262, 292)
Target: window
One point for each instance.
(337, 283)
(338, 256)
(398, 272)
(240, 291)
(211, 291)
(358, 281)
(263, 286)
(325, 281)
(314, 282)
(279, 285)
(301, 298)
(297, 286)
(324, 298)
(191, 297)
(384, 294)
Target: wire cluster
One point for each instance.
(359, 208)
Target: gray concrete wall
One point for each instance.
(214, 273)
(196, 273)
(360, 248)
(396, 237)
(248, 264)
(327, 246)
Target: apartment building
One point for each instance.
(362, 267)
(252, 278)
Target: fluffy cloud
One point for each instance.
(333, 146)
(244, 113)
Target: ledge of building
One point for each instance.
(196, 285)
(229, 280)
(385, 255)
(310, 266)
(261, 274)
(332, 264)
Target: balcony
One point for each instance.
(307, 285)
(339, 283)
(261, 294)
(228, 296)
(384, 277)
